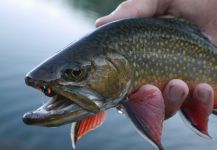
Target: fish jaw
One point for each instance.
(53, 113)
(64, 106)
(108, 82)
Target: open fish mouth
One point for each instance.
(57, 111)
(69, 105)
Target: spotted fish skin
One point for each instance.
(118, 58)
(109, 67)
(163, 49)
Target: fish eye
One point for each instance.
(75, 74)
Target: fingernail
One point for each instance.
(176, 94)
(204, 95)
(97, 22)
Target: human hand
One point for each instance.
(202, 13)
(147, 109)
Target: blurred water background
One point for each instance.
(32, 30)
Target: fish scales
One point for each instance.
(100, 70)
(164, 49)
(108, 67)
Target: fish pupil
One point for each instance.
(73, 73)
(77, 72)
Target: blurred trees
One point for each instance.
(98, 7)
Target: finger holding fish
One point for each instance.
(175, 93)
(114, 63)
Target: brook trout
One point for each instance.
(109, 67)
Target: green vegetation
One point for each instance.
(98, 7)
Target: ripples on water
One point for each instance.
(30, 31)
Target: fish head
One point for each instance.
(81, 80)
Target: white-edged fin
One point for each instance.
(141, 133)
(146, 110)
(72, 134)
(81, 128)
(195, 130)
(147, 139)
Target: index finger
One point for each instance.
(130, 9)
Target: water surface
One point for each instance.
(31, 31)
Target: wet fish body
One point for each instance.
(103, 69)
(161, 50)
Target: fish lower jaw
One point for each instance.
(57, 111)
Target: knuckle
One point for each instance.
(124, 5)
(149, 87)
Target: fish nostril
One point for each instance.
(48, 91)
(34, 83)
(29, 81)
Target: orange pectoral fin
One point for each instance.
(81, 128)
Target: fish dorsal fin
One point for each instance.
(81, 128)
(146, 111)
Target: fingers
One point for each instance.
(204, 92)
(191, 10)
(197, 108)
(174, 95)
(130, 9)
(148, 91)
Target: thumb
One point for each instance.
(130, 9)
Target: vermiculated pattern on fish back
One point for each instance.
(161, 50)
(106, 68)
